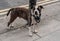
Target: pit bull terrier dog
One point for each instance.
(23, 12)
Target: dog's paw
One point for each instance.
(30, 35)
(11, 27)
(35, 31)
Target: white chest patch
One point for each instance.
(33, 20)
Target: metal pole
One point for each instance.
(32, 3)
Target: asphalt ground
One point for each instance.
(48, 28)
(4, 4)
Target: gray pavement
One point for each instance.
(48, 28)
(12, 3)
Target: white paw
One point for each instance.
(35, 31)
(30, 34)
(11, 27)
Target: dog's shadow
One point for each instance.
(6, 30)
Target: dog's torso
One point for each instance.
(20, 12)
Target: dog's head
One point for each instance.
(37, 13)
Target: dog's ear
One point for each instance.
(40, 7)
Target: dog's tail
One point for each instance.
(10, 11)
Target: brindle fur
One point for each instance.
(20, 12)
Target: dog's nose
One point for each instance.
(38, 18)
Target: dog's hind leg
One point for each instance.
(12, 18)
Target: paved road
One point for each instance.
(11, 3)
(49, 27)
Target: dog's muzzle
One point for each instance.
(37, 19)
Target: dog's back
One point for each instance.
(18, 10)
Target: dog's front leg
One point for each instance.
(34, 26)
(30, 31)
(34, 30)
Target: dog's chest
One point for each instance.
(33, 20)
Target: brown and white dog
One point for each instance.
(22, 12)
